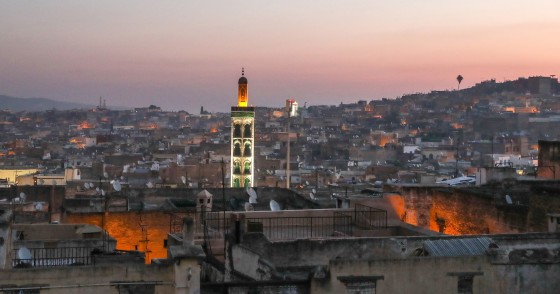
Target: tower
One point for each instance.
(242, 137)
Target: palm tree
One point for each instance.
(459, 79)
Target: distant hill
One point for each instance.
(37, 104)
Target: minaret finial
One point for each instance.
(242, 71)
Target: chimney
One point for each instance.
(553, 221)
(188, 231)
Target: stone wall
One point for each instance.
(92, 279)
(477, 210)
(441, 274)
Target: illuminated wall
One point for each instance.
(142, 231)
(11, 174)
(473, 211)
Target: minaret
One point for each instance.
(242, 137)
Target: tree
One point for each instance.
(459, 79)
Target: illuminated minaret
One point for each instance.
(242, 137)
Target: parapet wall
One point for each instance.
(475, 210)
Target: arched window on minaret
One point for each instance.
(247, 131)
(237, 149)
(237, 131)
(236, 183)
(237, 167)
(247, 149)
(247, 169)
(247, 183)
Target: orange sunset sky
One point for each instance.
(188, 54)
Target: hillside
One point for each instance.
(37, 104)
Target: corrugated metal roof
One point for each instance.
(458, 247)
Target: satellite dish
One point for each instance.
(24, 255)
(307, 183)
(41, 181)
(508, 199)
(274, 206)
(183, 179)
(117, 186)
(105, 175)
(86, 185)
(22, 197)
(91, 185)
(97, 189)
(252, 195)
(39, 206)
(313, 191)
(149, 185)
(102, 192)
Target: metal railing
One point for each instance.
(52, 257)
(216, 224)
(369, 218)
(286, 228)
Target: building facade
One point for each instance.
(242, 138)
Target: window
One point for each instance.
(237, 131)
(247, 150)
(247, 131)
(465, 284)
(136, 288)
(360, 284)
(237, 149)
(465, 281)
(360, 288)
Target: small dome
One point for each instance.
(242, 80)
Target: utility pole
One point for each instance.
(288, 151)
(224, 205)
(457, 157)
(492, 146)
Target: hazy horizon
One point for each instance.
(181, 56)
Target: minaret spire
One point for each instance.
(242, 90)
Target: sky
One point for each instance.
(181, 55)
